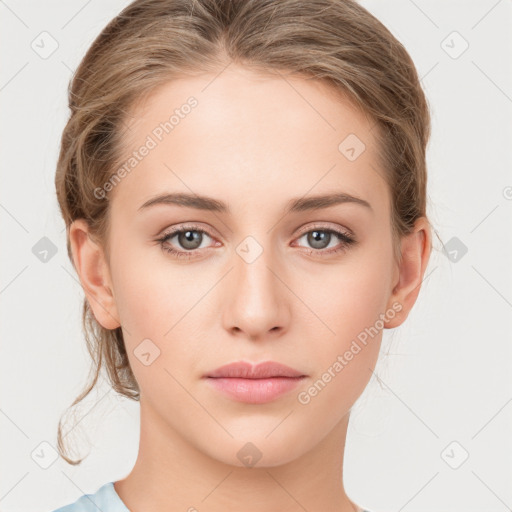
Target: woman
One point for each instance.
(244, 189)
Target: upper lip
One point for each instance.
(246, 370)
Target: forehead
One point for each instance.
(242, 135)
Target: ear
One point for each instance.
(416, 248)
(92, 268)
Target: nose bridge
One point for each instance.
(257, 304)
(254, 258)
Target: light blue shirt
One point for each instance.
(105, 499)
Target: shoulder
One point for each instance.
(104, 499)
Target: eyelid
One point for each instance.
(305, 229)
(318, 225)
(185, 226)
(345, 236)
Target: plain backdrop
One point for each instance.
(433, 431)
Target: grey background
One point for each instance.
(442, 390)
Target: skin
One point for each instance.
(254, 141)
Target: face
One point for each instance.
(261, 271)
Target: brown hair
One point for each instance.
(153, 41)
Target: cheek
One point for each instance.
(346, 354)
(150, 302)
(148, 290)
(356, 294)
(350, 304)
(146, 301)
(156, 301)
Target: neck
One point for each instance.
(171, 474)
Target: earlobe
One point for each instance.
(416, 249)
(92, 268)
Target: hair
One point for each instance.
(151, 42)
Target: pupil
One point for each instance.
(318, 239)
(189, 239)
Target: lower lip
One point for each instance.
(255, 391)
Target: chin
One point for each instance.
(258, 449)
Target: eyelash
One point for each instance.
(346, 241)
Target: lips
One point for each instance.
(254, 384)
(245, 370)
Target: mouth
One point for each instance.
(254, 384)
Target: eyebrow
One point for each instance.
(292, 206)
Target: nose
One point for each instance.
(257, 300)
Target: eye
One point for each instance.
(189, 238)
(320, 238)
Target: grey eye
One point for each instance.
(319, 239)
(190, 239)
